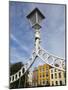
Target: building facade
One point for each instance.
(43, 75)
(35, 77)
(57, 77)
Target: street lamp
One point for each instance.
(35, 18)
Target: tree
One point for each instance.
(23, 81)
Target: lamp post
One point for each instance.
(35, 18)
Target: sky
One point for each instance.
(22, 34)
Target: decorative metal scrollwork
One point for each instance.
(52, 60)
(24, 68)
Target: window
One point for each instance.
(55, 70)
(43, 82)
(56, 75)
(60, 75)
(51, 71)
(43, 75)
(47, 74)
(56, 82)
(52, 83)
(47, 82)
(60, 82)
(52, 76)
(40, 75)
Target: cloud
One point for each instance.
(20, 53)
(23, 47)
(15, 56)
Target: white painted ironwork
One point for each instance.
(52, 60)
(23, 70)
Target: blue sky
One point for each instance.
(22, 34)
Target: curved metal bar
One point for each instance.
(50, 59)
(51, 54)
(23, 70)
(52, 65)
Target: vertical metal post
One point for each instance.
(37, 40)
